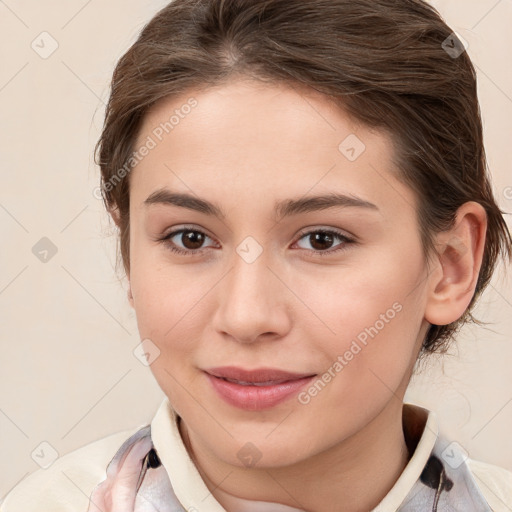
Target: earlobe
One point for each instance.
(459, 258)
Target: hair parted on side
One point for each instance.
(382, 61)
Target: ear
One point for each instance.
(457, 264)
(114, 213)
(129, 293)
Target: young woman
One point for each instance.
(304, 211)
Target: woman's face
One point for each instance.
(331, 290)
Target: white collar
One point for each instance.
(191, 490)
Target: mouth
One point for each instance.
(244, 383)
(257, 377)
(256, 389)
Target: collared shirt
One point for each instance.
(439, 477)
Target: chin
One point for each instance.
(261, 453)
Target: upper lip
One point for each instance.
(256, 375)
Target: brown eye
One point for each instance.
(185, 241)
(192, 239)
(321, 241)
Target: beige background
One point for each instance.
(68, 374)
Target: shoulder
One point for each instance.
(66, 485)
(494, 482)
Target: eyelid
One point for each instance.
(326, 229)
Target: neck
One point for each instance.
(352, 476)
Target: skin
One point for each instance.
(243, 147)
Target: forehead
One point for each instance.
(273, 139)
(246, 108)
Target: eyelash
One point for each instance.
(172, 247)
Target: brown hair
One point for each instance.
(390, 65)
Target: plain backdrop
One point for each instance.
(67, 369)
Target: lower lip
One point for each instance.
(255, 398)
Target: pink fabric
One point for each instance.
(136, 480)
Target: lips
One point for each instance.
(258, 377)
(255, 389)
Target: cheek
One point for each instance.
(357, 297)
(172, 311)
(371, 316)
(165, 294)
(367, 360)
(168, 308)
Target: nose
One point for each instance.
(252, 304)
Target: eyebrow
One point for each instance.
(284, 208)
